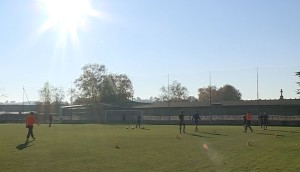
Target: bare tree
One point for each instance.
(2, 94)
(175, 92)
(298, 82)
(46, 93)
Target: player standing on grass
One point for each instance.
(30, 120)
(248, 121)
(265, 119)
(138, 122)
(181, 122)
(196, 118)
(261, 120)
(50, 120)
(245, 122)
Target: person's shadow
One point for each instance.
(24, 145)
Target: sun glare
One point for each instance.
(67, 16)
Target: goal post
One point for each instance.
(122, 116)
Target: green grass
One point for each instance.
(93, 147)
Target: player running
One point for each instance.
(196, 118)
(30, 120)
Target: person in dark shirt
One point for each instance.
(265, 121)
(261, 120)
(50, 120)
(138, 122)
(181, 122)
(196, 118)
(245, 122)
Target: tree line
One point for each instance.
(95, 85)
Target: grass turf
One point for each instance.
(95, 147)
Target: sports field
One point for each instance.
(96, 147)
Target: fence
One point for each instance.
(293, 120)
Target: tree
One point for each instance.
(72, 92)
(46, 92)
(192, 99)
(46, 97)
(207, 93)
(124, 87)
(109, 91)
(225, 93)
(58, 97)
(96, 86)
(164, 94)
(1, 93)
(298, 90)
(176, 92)
(51, 95)
(90, 82)
(229, 93)
(116, 88)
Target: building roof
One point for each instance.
(221, 103)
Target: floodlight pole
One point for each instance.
(257, 95)
(210, 98)
(169, 95)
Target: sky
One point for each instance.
(252, 45)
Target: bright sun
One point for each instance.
(67, 16)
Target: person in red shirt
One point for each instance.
(30, 120)
(248, 121)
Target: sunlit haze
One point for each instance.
(67, 16)
(251, 45)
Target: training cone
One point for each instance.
(117, 146)
(249, 143)
(205, 146)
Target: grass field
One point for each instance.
(95, 147)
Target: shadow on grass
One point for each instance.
(24, 145)
(197, 135)
(213, 133)
(284, 131)
(277, 135)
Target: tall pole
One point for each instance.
(210, 97)
(23, 98)
(168, 90)
(257, 95)
(169, 94)
(209, 88)
(71, 98)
